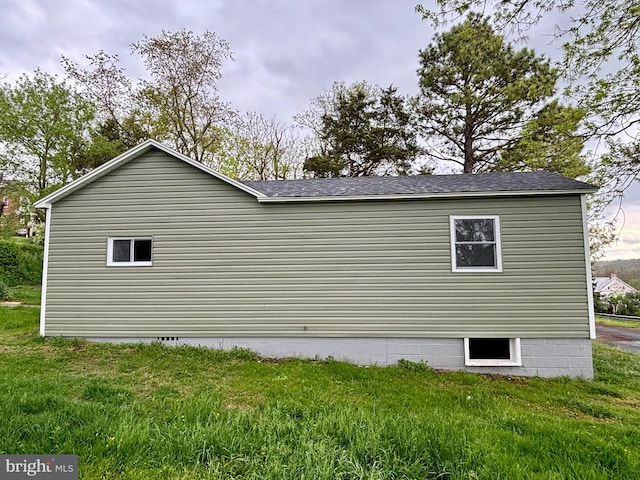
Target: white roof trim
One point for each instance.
(401, 196)
(128, 156)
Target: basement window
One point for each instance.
(128, 252)
(492, 352)
(475, 243)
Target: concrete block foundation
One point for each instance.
(543, 357)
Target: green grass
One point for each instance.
(25, 294)
(618, 322)
(154, 412)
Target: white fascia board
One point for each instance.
(403, 196)
(128, 156)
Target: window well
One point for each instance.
(492, 351)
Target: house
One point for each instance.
(612, 285)
(8, 203)
(451, 270)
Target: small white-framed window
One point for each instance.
(492, 352)
(475, 243)
(129, 251)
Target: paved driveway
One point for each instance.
(625, 338)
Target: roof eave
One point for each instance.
(127, 156)
(430, 195)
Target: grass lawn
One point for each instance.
(618, 322)
(25, 294)
(152, 412)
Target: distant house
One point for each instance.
(451, 269)
(612, 285)
(7, 205)
(8, 202)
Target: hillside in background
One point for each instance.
(627, 270)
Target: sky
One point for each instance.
(627, 213)
(286, 51)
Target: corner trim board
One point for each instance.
(45, 271)
(587, 266)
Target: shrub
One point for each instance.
(38, 234)
(600, 303)
(20, 263)
(628, 304)
(4, 290)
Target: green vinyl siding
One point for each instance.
(225, 265)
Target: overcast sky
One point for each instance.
(286, 51)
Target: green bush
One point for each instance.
(4, 290)
(38, 234)
(20, 263)
(627, 304)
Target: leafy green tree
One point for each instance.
(600, 303)
(481, 99)
(360, 129)
(624, 304)
(108, 140)
(9, 224)
(551, 142)
(44, 128)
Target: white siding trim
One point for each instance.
(45, 272)
(587, 266)
(452, 241)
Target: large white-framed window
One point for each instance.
(492, 352)
(475, 243)
(129, 251)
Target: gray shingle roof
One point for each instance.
(420, 184)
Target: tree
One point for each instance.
(360, 129)
(182, 93)
(549, 142)
(108, 140)
(178, 104)
(256, 148)
(44, 129)
(601, 62)
(481, 99)
(105, 84)
(624, 304)
(123, 123)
